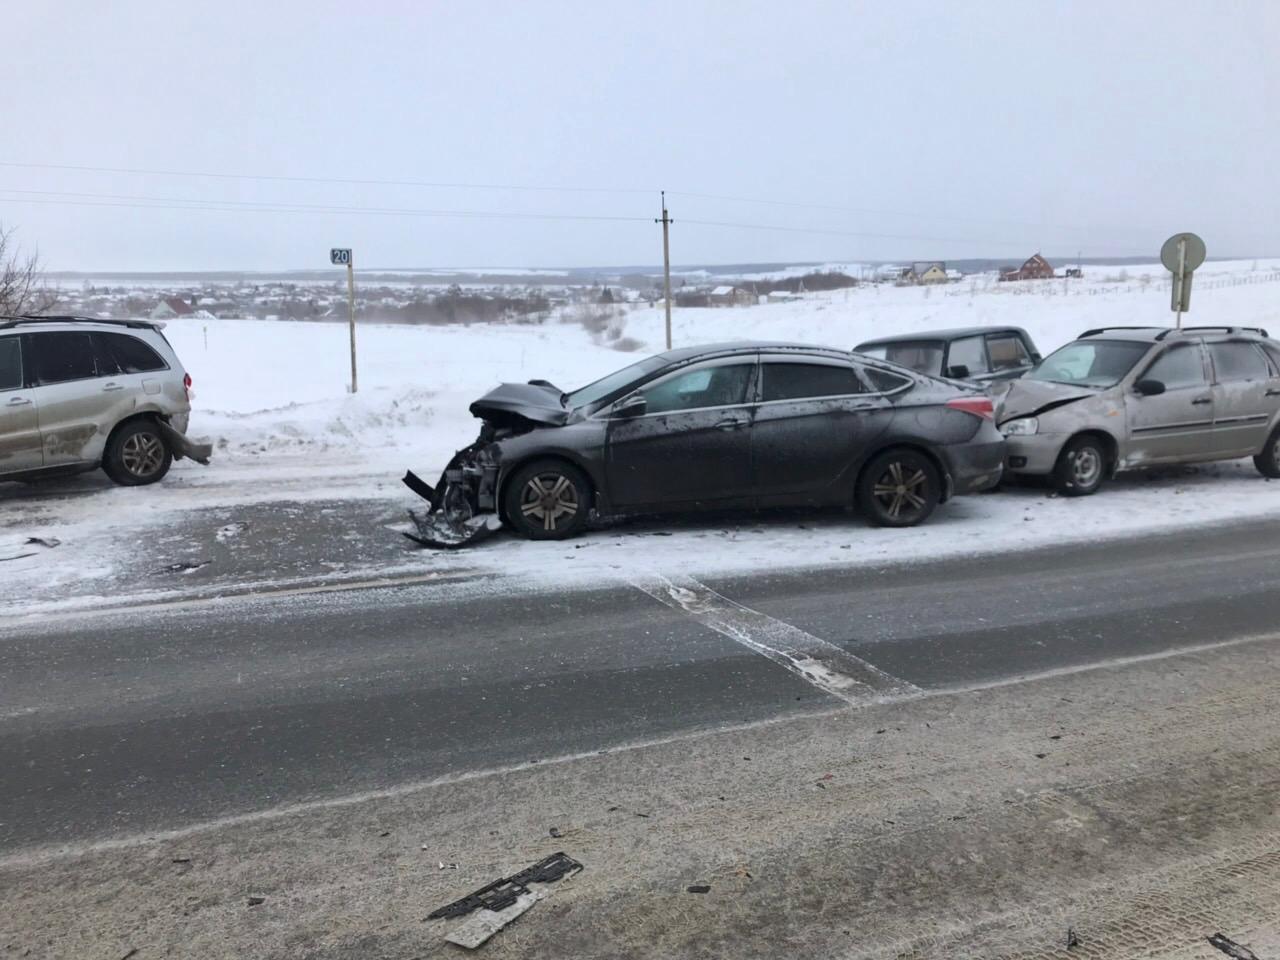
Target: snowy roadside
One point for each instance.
(120, 547)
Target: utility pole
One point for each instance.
(666, 222)
(351, 316)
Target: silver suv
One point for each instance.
(1118, 398)
(76, 394)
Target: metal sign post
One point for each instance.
(339, 256)
(1181, 254)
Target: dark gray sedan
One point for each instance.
(742, 425)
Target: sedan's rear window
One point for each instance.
(806, 381)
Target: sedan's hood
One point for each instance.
(1030, 398)
(538, 402)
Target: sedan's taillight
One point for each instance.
(978, 406)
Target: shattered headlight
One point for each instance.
(1020, 428)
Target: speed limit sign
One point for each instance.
(339, 256)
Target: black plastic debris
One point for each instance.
(503, 893)
(444, 532)
(555, 833)
(49, 542)
(186, 566)
(1231, 948)
(1072, 940)
(699, 888)
(257, 901)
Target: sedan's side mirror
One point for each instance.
(1149, 388)
(632, 406)
(958, 372)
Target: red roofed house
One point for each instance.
(1036, 268)
(170, 307)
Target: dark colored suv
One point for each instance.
(977, 354)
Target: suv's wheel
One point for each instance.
(899, 488)
(1268, 461)
(547, 500)
(1081, 467)
(137, 454)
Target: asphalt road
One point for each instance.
(122, 724)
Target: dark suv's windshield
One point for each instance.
(922, 356)
(618, 380)
(1090, 363)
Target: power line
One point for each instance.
(280, 178)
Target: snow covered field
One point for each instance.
(272, 396)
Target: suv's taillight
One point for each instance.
(978, 406)
(186, 385)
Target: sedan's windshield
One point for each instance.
(618, 380)
(1090, 363)
(922, 356)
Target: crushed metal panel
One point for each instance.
(479, 927)
(502, 893)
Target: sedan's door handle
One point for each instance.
(19, 402)
(730, 423)
(1199, 400)
(112, 386)
(1273, 393)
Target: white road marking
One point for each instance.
(823, 664)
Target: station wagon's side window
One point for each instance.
(701, 387)
(808, 381)
(1178, 367)
(10, 363)
(1007, 352)
(62, 356)
(1236, 360)
(132, 354)
(968, 352)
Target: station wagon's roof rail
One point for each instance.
(25, 319)
(1223, 329)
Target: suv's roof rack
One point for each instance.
(1096, 330)
(23, 319)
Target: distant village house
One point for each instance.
(728, 296)
(171, 307)
(1035, 268)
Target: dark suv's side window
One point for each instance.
(132, 354)
(10, 363)
(806, 381)
(1007, 352)
(968, 352)
(1178, 367)
(1237, 360)
(63, 356)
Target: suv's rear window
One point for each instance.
(10, 363)
(63, 356)
(132, 355)
(1237, 360)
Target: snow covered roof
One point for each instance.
(722, 291)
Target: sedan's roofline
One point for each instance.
(747, 346)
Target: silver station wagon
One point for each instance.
(1118, 398)
(77, 394)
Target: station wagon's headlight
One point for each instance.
(1020, 428)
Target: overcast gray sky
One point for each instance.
(914, 130)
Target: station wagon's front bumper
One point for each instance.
(1034, 454)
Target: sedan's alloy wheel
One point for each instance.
(551, 499)
(901, 490)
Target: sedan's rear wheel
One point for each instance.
(899, 488)
(548, 500)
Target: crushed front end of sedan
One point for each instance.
(464, 502)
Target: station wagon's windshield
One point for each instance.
(1090, 363)
(593, 392)
(922, 356)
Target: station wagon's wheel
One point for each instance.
(547, 500)
(1268, 461)
(899, 488)
(1081, 467)
(137, 454)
